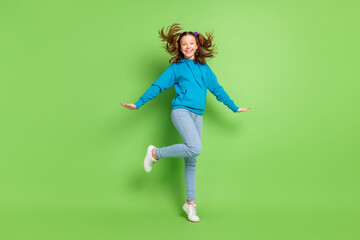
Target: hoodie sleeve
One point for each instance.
(218, 91)
(165, 81)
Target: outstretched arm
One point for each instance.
(165, 81)
(218, 91)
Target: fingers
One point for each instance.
(129, 106)
(243, 109)
(125, 105)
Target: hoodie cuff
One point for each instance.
(234, 108)
(138, 104)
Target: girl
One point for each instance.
(191, 77)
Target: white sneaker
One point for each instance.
(149, 161)
(191, 212)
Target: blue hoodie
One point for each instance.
(191, 82)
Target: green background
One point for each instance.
(72, 156)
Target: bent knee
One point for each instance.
(195, 150)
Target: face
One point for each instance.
(188, 46)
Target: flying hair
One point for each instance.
(172, 37)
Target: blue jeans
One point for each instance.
(189, 125)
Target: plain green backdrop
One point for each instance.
(72, 156)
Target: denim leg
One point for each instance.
(189, 126)
(184, 122)
(190, 164)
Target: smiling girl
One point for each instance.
(191, 77)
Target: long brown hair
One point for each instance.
(171, 39)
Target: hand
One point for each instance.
(129, 106)
(243, 109)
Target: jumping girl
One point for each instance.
(191, 77)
